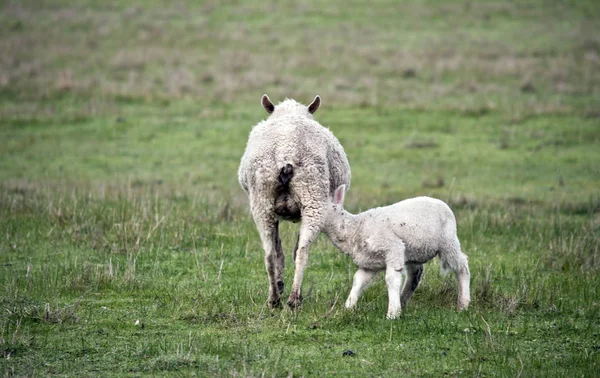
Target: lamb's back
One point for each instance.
(423, 224)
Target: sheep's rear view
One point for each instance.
(291, 167)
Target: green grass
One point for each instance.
(126, 244)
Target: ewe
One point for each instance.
(398, 238)
(290, 169)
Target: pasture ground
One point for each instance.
(126, 245)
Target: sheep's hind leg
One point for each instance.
(296, 248)
(362, 279)
(267, 227)
(293, 255)
(413, 277)
(280, 260)
(308, 233)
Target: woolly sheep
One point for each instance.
(398, 238)
(290, 169)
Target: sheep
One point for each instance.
(397, 238)
(289, 170)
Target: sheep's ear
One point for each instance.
(314, 105)
(339, 194)
(267, 104)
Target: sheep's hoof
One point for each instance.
(274, 303)
(280, 286)
(294, 301)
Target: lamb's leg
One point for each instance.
(280, 259)
(453, 259)
(463, 276)
(393, 280)
(267, 227)
(413, 277)
(362, 279)
(308, 233)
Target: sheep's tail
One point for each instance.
(286, 174)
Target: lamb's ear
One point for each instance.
(314, 105)
(339, 194)
(267, 104)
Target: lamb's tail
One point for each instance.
(286, 174)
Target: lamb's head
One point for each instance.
(336, 217)
(290, 106)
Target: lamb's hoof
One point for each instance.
(294, 301)
(463, 306)
(280, 286)
(393, 315)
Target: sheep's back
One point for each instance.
(303, 143)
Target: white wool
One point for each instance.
(398, 238)
(290, 137)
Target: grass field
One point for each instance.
(126, 244)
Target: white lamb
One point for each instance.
(398, 238)
(290, 169)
